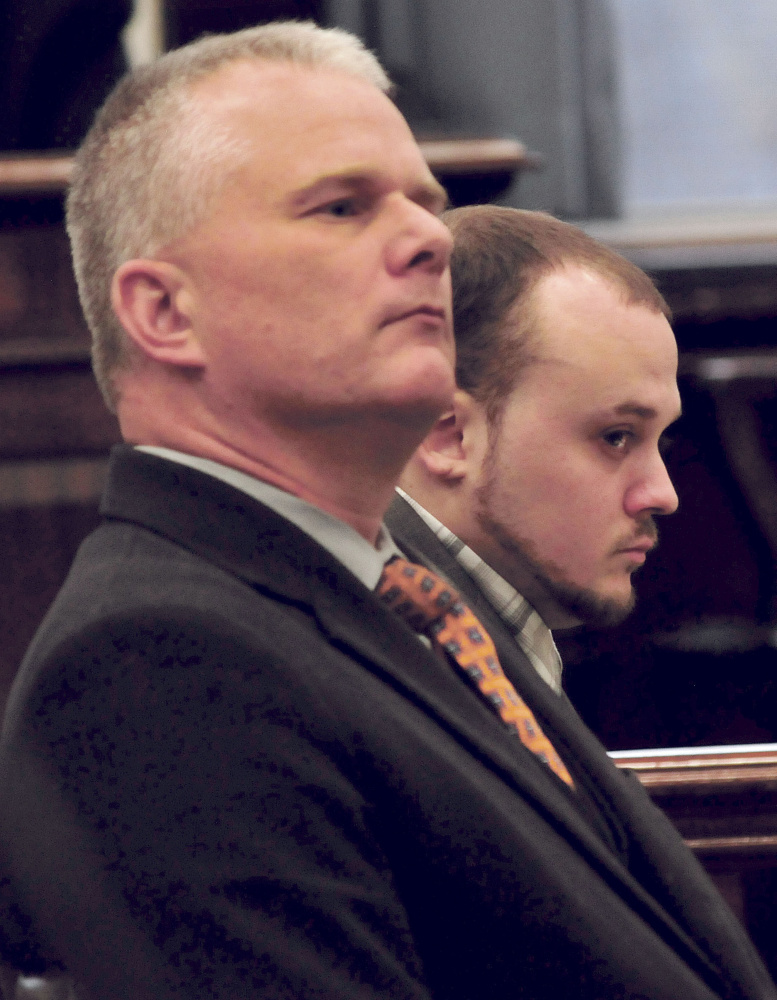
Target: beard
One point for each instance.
(582, 603)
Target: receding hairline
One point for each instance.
(526, 315)
(568, 267)
(226, 100)
(499, 256)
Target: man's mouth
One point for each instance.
(643, 545)
(640, 543)
(433, 312)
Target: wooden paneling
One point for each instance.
(38, 298)
(38, 542)
(49, 410)
(23, 175)
(723, 800)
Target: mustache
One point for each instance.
(647, 531)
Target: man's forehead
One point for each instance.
(255, 84)
(586, 345)
(577, 313)
(570, 291)
(308, 127)
(271, 102)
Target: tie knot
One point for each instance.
(416, 594)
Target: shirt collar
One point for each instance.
(524, 623)
(365, 561)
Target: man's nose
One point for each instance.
(654, 493)
(421, 241)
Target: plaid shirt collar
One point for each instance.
(527, 628)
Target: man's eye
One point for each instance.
(618, 439)
(341, 209)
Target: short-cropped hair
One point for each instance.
(154, 160)
(499, 254)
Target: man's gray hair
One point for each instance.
(154, 161)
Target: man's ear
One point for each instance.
(153, 302)
(448, 449)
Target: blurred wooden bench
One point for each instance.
(723, 801)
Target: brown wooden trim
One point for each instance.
(708, 780)
(451, 157)
(44, 483)
(723, 801)
(746, 845)
(694, 773)
(29, 175)
(36, 352)
(683, 759)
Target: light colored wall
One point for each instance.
(699, 92)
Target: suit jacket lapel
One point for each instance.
(247, 539)
(390, 649)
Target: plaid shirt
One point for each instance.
(526, 627)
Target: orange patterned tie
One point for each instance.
(432, 607)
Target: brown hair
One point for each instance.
(499, 254)
(153, 161)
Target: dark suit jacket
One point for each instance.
(236, 774)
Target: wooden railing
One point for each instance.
(22, 175)
(723, 800)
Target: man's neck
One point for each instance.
(516, 611)
(344, 462)
(334, 480)
(363, 558)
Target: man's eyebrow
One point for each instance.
(635, 410)
(638, 410)
(349, 178)
(430, 195)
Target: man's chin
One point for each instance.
(587, 606)
(580, 605)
